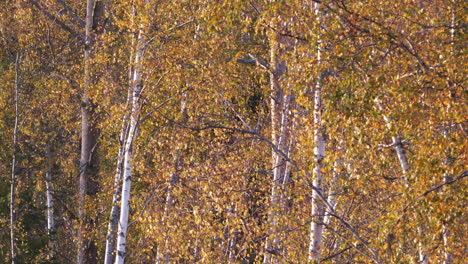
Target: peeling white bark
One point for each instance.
(116, 198)
(403, 160)
(396, 142)
(49, 191)
(318, 210)
(127, 163)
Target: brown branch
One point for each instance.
(425, 193)
(72, 12)
(375, 256)
(435, 188)
(56, 20)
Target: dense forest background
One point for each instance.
(235, 131)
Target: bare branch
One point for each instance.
(235, 112)
(411, 205)
(435, 188)
(56, 20)
(72, 12)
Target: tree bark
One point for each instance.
(132, 132)
(13, 164)
(88, 160)
(163, 252)
(116, 197)
(50, 203)
(403, 160)
(281, 118)
(318, 210)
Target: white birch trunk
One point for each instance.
(127, 173)
(403, 160)
(49, 197)
(13, 166)
(115, 211)
(397, 144)
(318, 210)
(50, 204)
(280, 119)
(116, 198)
(422, 256)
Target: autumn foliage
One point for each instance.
(233, 131)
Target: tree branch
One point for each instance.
(435, 188)
(72, 12)
(56, 20)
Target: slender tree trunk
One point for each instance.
(448, 159)
(318, 210)
(280, 119)
(331, 199)
(13, 165)
(115, 210)
(50, 203)
(117, 195)
(131, 135)
(163, 252)
(282, 103)
(403, 160)
(397, 144)
(86, 248)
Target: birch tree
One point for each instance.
(281, 109)
(136, 88)
(318, 210)
(117, 188)
(163, 253)
(403, 160)
(50, 201)
(13, 179)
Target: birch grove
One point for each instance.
(261, 131)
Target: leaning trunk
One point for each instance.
(115, 210)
